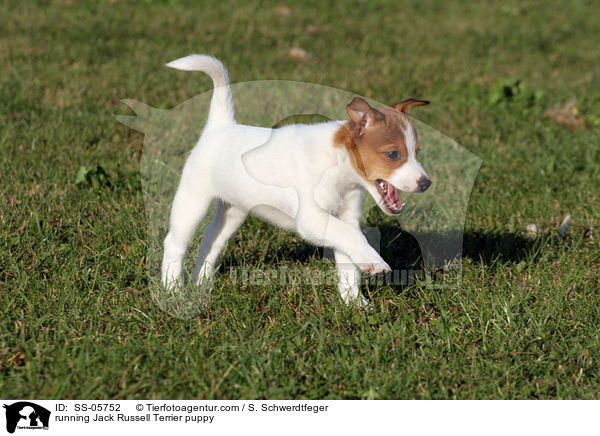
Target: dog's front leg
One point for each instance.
(348, 272)
(322, 228)
(349, 280)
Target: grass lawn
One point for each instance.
(515, 83)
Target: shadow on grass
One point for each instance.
(402, 251)
(297, 263)
(487, 248)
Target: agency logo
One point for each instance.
(26, 415)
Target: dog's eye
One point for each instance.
(393, 155)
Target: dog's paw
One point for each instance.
(371, 263)
(352, 296)
(376, 268)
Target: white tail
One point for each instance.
(221, 106)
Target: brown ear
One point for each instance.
(405, 105)
(363, 115)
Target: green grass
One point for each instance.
(77, 315)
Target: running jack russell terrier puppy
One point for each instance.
(321, 172)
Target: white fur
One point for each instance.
(292, 177)
(407, 176)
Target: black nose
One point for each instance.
(424, 183)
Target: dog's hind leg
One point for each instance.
(225, 223)
(189, 208)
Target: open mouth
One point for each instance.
(390, 196)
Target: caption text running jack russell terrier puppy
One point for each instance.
(321, 172)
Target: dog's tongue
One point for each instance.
(392, 197)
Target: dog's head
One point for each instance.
(383, 148)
